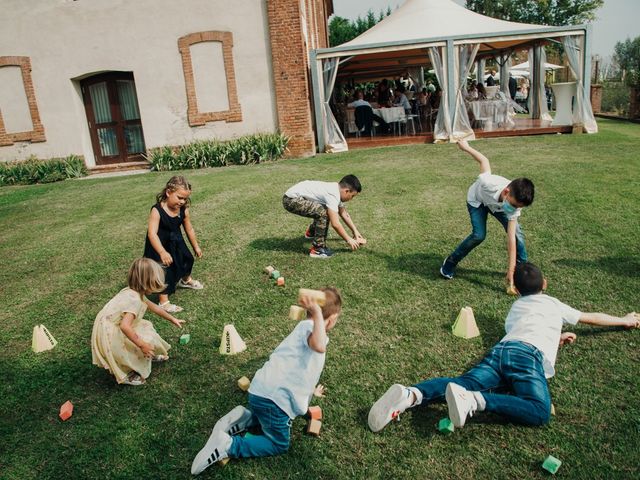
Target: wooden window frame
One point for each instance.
(195, 117)
(37, 134)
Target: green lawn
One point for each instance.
(65, 249)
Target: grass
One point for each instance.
(65, 249)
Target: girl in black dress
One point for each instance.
(165, 243)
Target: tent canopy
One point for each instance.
(525, 66)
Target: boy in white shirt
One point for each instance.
(495, 195)
(279, 392)
(324, 202)
(520, 364)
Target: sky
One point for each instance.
(616, 21)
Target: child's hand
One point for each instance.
(178, 323)
(567, 337)
(147, 349)
(198, 252)
(361, 240)
(353, 244)
(319, 391)
(631, 320)
(166, 258)
(308, 303)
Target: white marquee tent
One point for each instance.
(450, 39)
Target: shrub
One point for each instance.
(615, 98)
(34, 170)
(245, 150)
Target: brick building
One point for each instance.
(109, 80)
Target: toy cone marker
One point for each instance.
(465, 325)
(231, 342)
(42, 340)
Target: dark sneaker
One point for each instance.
(447, 269)
(309, 233)
(320, 252)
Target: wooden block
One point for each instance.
(315, 413)
(318, 296)
(551, 464)
(224, 461)
(66, 410)
(244, 383)
(275, 274)
(268, 270)
(184, 339)
(511, 290)
(445, 426)
(280, 281)
(297, 313)
(313, 427)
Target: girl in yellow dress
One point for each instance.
(122, 341)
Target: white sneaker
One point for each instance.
(134, 379)
(234, 422)
(388, 407)
(214, 450)
(461, 403)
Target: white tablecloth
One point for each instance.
(389, 115)
(497, 111)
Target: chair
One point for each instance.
(364, 120)
(350, 122)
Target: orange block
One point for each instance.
(280, 282)
(315, 413)
(313, 428)
(66, 410)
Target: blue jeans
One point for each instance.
(478, 217)
(515, 367)
(276, 429)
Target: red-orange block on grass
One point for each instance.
(315, 413)
(280, 281)
(66, 410)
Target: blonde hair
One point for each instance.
(146, 276)
(176, 182)
(333, 303)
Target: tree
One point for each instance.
(541, 12)
(342, 30)
(627, 56)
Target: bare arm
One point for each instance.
(631, 320)
(347, 219)
(126, 325)
(154, 224)
(485, 166)
(161, 312)
(511, 250)
(334, 218)
(318, 339)
(191, 233)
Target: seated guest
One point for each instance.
(423, 97)
(482, 92)
(365, 116)
(400, 100)
(384, 94)
(472, 91)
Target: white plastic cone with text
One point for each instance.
(231, 342)
(42, 340)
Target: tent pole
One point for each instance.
(316, 66)
(586, 59)
(451, 84)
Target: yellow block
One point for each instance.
(244, 383)
(297, 313)
(318, 296)
(465, 325)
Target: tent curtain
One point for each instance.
(480, 71)
(333, 138)
(582, 113)
(417, 75)
(442, 127)
(538, 97)
(465, 56)
(504, 60)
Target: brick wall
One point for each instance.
(290, 68)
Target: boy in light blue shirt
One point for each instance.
(279, 392)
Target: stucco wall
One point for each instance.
(69, 40)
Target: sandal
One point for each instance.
(160, 358)
(170, 307)
(192, 284)
(134, 379)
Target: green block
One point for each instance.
(275, 274)
(184, 339)
(248, 435)
(445, 426)
(551, 464)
